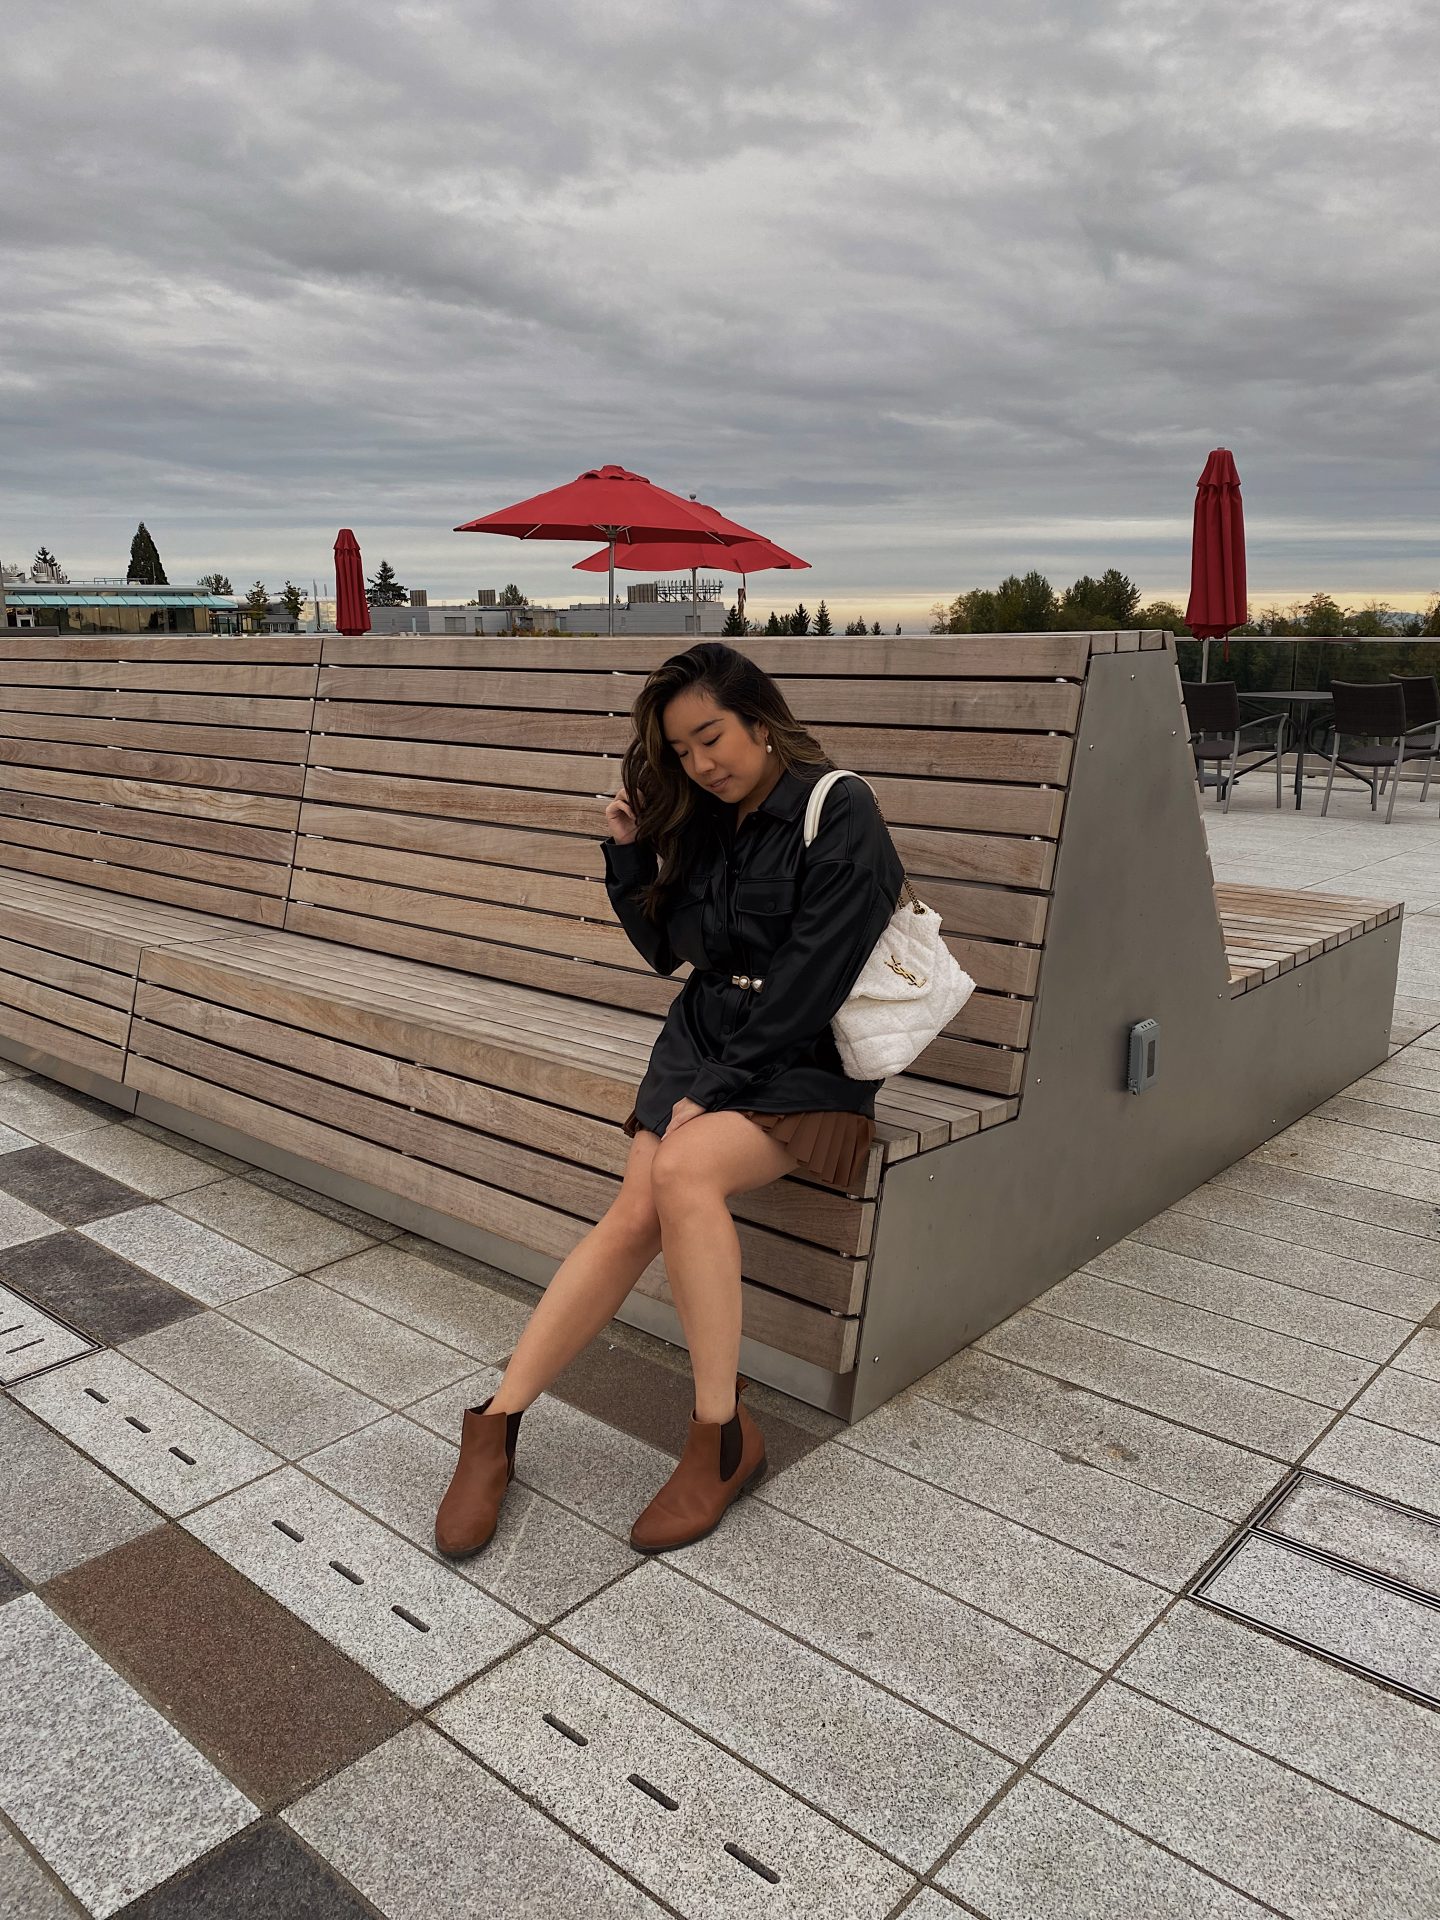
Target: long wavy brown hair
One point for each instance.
(664, 799)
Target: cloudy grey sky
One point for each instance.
(928, 290)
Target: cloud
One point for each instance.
(926, 292)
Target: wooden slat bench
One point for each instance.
(427, 1006)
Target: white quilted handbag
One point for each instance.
(910, 988)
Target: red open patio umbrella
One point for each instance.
(1218, 601)
(616, 505)
(664, 556)
(352, 609)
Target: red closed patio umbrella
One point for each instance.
(664, 556)
(1218, 601)
(617, 506)
(352, 609)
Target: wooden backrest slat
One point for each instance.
(167, 767)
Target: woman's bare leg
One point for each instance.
(588, 1288)
(695, 1172)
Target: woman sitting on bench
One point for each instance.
(705, 863)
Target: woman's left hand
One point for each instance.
(682, 1111)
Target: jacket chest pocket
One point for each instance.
(763, 912)
(766, 897)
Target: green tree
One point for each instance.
(1024, 604)
(876, 627)
(1320, 615)
(257, 603)
(857, 627)
(898, 627)
(293, 600)
(775, 625)
(1161, 616)
(46, 562)
(1374, 619)
(800, 619)
(734, 622)
(511, 596)
(385, 590)
(1110, 601)
(822, 620)
(145, 567)
(1431, 625)
(216, 583)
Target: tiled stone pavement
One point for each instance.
(941, 1663)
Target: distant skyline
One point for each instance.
(929, 295)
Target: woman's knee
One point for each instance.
(680, 1177)
(634, 1215)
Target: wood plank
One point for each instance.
(238, 743)
(107, 985)
(161, 886)
(111, 849)
(64, 1042)
(250, 809)
(179, 648)
(294, 683)
(980, 656)
(171, 829)
(186, 770)
(67, 1010)
(195, 709)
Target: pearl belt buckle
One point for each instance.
(744, 980)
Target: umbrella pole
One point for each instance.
(610, 609)
(1204, 659)
(695, 597)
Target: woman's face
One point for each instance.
(715, 747)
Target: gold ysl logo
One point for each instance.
(904, 972)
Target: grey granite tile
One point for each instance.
(1389, 1540)
(1328, 1194)
(1421, 1354)
(63, 1188)
(1408, 1401)
(389, 1362)
(1279, 1424)
(1271, 1832)
(1085, 1429)
(30, 1340)
(679, 1852)
(1329, 1245)
(26, 1892)
(542, 1560)
(595, 1470)
(425, 1834)
(103, 1787)
(1320, 1270)
(1209, 1339)
(174, 1453)
(1360, 1739)
(1349, 1155)
(1272, 1304)
(182, 1143)
(282, 1401)
(1079, 1604)
(19, 1221)
(10, 1070)
(147, 1165)
(11, 1587)
(295, 1237)
(370, 1224)
(982, 1676)
(822, 1732)
(426, 1296)
(1335, 1612)
(186, 1255)
(1147, 1533)
(1396, 1465)
(444, 1631)
(57, 1509)
(264, 1873)
(12, 1141)
(47, 1112)
(930, 1904)
(1406, 1112)
(1040, 1855)
(94, 1290)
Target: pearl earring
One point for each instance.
(768, 747)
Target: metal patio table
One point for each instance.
(1310, 705)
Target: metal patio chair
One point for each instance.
(1371, 713)
(1213, 710)
(1422, 720)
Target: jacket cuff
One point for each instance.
(633, 865)
(711, 1083)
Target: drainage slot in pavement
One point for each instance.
(25, 1345)
(1342, 1573)
(569, 1732)
(639, 1780)
(346, 1574)
(755, 1866)
(180, 1454)
(289, 1532)
(410, 1619)
(95, 1394)
(139, 1425)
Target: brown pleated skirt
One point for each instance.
(832, 1146)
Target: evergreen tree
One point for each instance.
(734, 622)
(257, 603)
(1431, 627)
(822, 619)
(293, 600)
(1024, 605)
(774, 624)
(45, 562)
(511, 596)
(898, 627)
(145, 567)
(800, 619)
(876, 627)
(216, 583)
(385, 590)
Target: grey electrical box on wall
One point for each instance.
(1144, 1039)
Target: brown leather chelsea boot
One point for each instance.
(470, 1511)
(721, 1459)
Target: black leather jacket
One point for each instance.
(755, 901)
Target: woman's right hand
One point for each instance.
(620, 819)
